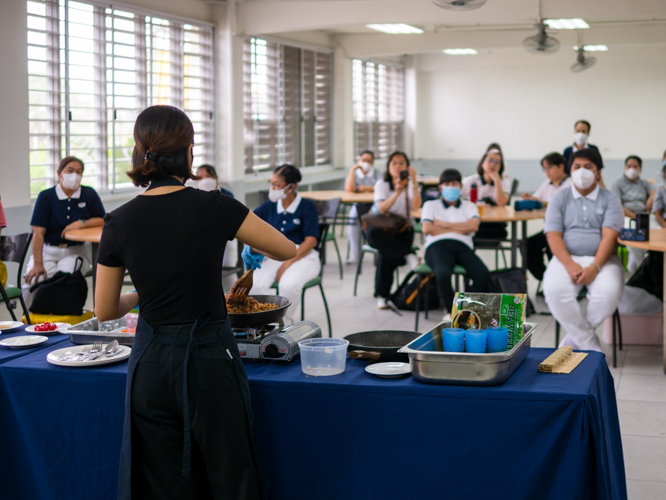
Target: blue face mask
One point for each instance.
(451, 193)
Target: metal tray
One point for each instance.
(88, 332)
(431, 365)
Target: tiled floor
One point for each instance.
(639, 380)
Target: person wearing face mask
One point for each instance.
(449, 225)
(582, 225)
(396, 193)
(636, 195)
(554, 166)
(66, 206)
(208, 180)
(581, 134)
(361, 179)
(297, 218)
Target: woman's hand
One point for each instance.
(574, 270)
(495, 176)
(36, 271)
(77, 224)
(400, 186)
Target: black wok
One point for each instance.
(255, 319)
(381, 345)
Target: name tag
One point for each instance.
(297, 221)
(82, 204)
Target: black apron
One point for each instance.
(192, 383)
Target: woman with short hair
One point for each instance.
(188, 420)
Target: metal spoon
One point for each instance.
(111, 347)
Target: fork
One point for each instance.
(92, 354)
(84, 352)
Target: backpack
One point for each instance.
(405, 296)
(62, 293)
(510, 281)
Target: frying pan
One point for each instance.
(261, 318)
(380, 345)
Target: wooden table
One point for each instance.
(657, 243)
(508, 214)
(428, 180)
(346, 197)
(88, 235)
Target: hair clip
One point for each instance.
(150, 156)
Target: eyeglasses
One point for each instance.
(493, 161)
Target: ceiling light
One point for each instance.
(566, 24)
(593, 48)
(395, 29)
(460, 52)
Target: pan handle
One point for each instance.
(365, 355)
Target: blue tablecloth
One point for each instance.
(344, 437)
(7, 354)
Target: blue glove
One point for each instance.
(251, 260)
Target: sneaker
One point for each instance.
(381, 303)
(413, 261)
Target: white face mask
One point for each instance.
(207, 184)
(365, 167)
(71, 181)
(580, 138)
(632, 173)
(277, 194)
(582, 178)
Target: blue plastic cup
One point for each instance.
(453, 339)
(475, 341)
(498, 338)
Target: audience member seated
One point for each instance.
(636, 195)
(298, 220)
(449, 224)
(659, 202)
(3, 268)
(60, 209)
(491, 188)
(660, 176)
(399, 197)
(581, 134)
(582, 226)
(554, 166)
(362, 178)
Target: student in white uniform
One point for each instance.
(362, 178)
(491, 188)
(636, 196)
(449, 225)
(554, 166)
(60, 209)
(582, 226)
(298, 219)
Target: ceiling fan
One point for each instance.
(583, 62)
(459, 4)
(541, 43)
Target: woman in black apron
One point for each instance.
(188, 421)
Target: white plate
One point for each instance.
(389, 370)
(6, 326)
(53, 357)
(61, 327)
(23, 341)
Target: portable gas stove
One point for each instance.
(274, 341)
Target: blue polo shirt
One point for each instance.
(299, 220)
(54, 211)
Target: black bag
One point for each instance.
(510, 281)
(391, 223)
(405, 296)
(62, 293)
(650, 275)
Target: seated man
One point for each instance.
(449, 225)
(555, 168)
(582, 226)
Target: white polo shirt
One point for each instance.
(547, 190)
(460, 212)
(485, 191)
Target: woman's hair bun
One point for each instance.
(289, 173)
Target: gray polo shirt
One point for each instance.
(580, 218)
(632, 194)
(659, 200)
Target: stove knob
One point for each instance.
(272, 351)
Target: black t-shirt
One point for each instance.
(172, 245)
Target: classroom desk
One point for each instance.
(657, 243)
(427, 180)
(88, 235)
(350, 436)
(346, 197)
(508, 214)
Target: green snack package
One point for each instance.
(481, 310)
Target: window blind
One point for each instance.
(287, 96)
(378, 107)
(93, 69)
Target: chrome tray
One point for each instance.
(89, 332)
(431, 365)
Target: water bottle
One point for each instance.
(473, 193)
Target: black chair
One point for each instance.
(14, 249)
(617, 335)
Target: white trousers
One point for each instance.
(354, 236)
(230, 260)
(603, 295)
(291, 282)
(58, 259)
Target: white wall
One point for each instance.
(529, 103)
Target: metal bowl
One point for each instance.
(255, 319)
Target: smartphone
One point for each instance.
(404, 175)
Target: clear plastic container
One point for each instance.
(323, 357)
